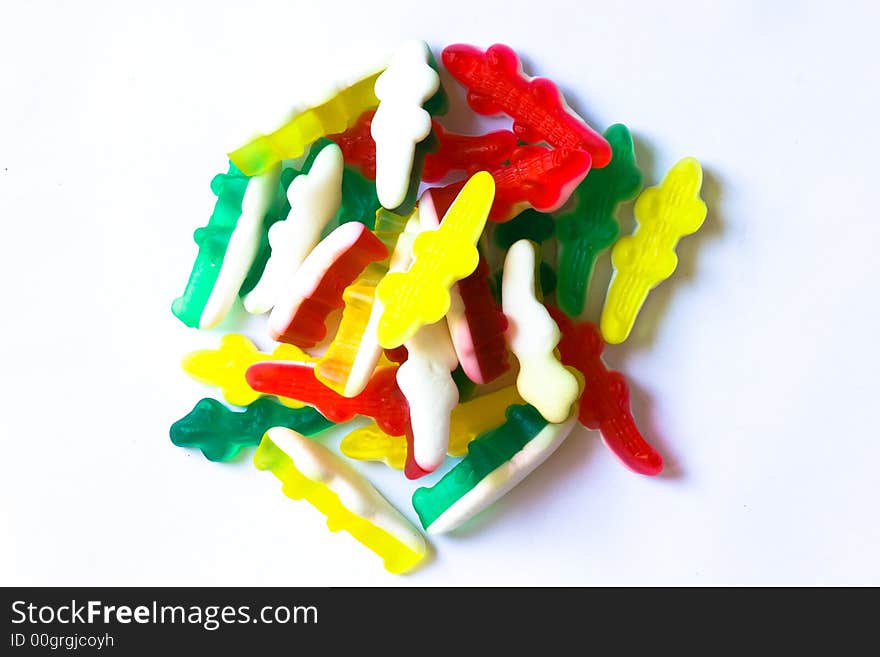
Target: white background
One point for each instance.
(754, 369)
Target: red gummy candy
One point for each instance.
(381, 400)
(540, 176)
(496, 84)
(397, 355)
(486, 324)
(604, 403)
(469, 153)
(357, 145)
(306, 325)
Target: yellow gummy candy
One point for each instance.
(334, 368)
(289, 141)
(225, 367)
(311, 472)
(442, 256)
(467, 421)
(370, 443)
(647, 257)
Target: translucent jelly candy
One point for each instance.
(469, 153)
(341, 106)
(310, 471)
(316, 289)
(225, 367)
(604, 403)
(496, 83)
(420, 295)
(381, 400)
(352, 356)
(467, 421)
(220, 433)
(529, 225)
(496, 462)
(314, 201)
(357, 145)
(536, 176)
(591, 227)
(227, 246)
(533, 335)
(425, 379)
(476, 323)
(647, 257)
(401, 122)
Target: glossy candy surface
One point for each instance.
(604, 403)
(420, 295)
(592, 227)
(352, 356)
(357, 145)
(496, 84)
(533, 335)
(469, 153)
(401, 122)
(344, 103)
(220, 433)
(311, 472)
(536, 177)
(316, 289)
(529, 225)
(425, 379)
(647, 257)
(496, 461)
(314, 201)
(228, 246)
(381, 400)
(225, 367)
(467, 421)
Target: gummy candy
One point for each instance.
(316, 289)
(467, 421)
(496, 462)
(342, 106)
(604, 404)
(310, 471)
(496, 83)
(352, 356)
(220, 433)
(469, 153)
(227, 246)
(591, 227)
(357, 145)
(381, 400)
(420, 295)
(314, 200)
(647, 257)
(401, 122)
(527, 225)
(425, 380)
(537, 177)
(225, 367)
(476, 323)
(533, 335)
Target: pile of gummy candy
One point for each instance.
(444, 355)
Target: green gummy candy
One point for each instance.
(463, 383)
(485, 454)
(221, 432)
(359, 199)
(277, 212)
(212, 241)
(592, 227)
(529, 225)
